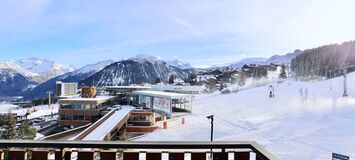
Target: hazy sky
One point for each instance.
(201, 32)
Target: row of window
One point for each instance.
(81, 106)
(77, 118)
(140, 118)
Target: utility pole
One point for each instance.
(345, 94)
(49, 102)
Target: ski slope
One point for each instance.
(290, 126)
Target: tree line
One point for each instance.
(326, 60)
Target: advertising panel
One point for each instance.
(162, 104)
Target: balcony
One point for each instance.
(53, 150)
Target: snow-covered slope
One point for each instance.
(36, 69)
(241, 63)
(179, 64)
(93, 67)
(277, 59)
(280, 59)
(45, 68)
(13, 83)
(291, 126)
(12, 65)
(76, 76)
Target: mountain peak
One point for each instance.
(146, 58)
(179, 64)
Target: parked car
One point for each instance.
(39, 120)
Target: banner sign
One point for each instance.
(162, 104)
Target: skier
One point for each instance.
(306, 93)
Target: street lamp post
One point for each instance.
(211, 117)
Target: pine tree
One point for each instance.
(157, 80)
(26, 132)
(171, 79)
(242, 78)
(283, 72)
(10, 132)
(191, 79)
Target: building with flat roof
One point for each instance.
(66, 89)
(164, 103)
(80, 111)
(124, 94)
(183, 89)
(125, 89)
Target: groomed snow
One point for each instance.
(290, 126)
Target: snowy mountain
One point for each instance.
(179, 64)
(45, 68)
(241, 63)
(280, 59)
(38, 70)
(140, 69)
(277, 59)
(15, 67)
(146, 58)
(13, 83)
(76, 76)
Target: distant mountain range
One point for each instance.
(276, 59)
(33, 77)
(75, 76)
(13, 83)
(179, 64)
(36, 69)
(137, 70)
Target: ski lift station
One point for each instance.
(165, 103)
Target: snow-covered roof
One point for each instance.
(106, 127)
(98, 100)
(163, 87)
(168, 95)
(128, 87)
